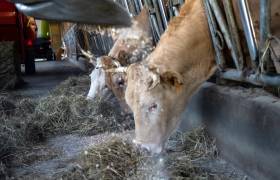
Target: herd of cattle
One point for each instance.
(157, 85)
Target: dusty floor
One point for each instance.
(57, 154)
(48, 75)
(73, 146)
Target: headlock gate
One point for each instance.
(256, 61)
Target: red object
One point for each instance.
(9, 29)
(11, 26)
(29, 42)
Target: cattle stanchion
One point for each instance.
(234, 33)
(162, 12)
(249, 31)
(220, 60)
(155, 27)
(140, 4)
(256, 79)
(126, 5)
(224, 28)
(265, 21)
(158, 16)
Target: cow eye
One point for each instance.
(153, 107)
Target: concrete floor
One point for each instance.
(48, 75)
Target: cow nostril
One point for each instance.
(120, 82)
(153, 107)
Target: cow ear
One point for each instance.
(172, 79)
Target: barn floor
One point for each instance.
(66, 154)
(48, 75)
(52, 157)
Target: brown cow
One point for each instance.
(133, 45)
(159, 88)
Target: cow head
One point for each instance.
(98, 83)
(156, 100)
(102, 77)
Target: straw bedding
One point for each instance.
(118, 158)
(28, 122)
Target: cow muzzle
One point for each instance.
(151, 147)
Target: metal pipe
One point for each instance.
(256, 79)
(158, 16)
(140, 4)
(265, 24)
(234, 33)
(153, 30)
(155, 25)
(220, 60)
(223, 26)
(136, 7)
(126, 6)
(162, 12)
(249, 30)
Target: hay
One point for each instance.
(183, 150)
(7, 106)
(3, 171)
(115, 159)
(26, 122)
(66, 111)
(118, 158)
(73, 86)
(74, 114)
(26, 106)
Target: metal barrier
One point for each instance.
(256, 73)
(225, 37)
(223, 28)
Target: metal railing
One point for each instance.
(225, 37)
(261, 70)
(259, 50)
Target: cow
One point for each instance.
(133, 45)
(159, 88)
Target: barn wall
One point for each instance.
(246, 124)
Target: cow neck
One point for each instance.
(186, 43)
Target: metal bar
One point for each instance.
(158, 16)
(126, 5)
(162, 12)
(223, 26)
(136, 7)
(220, 60)
(256, 79)
(140, 4)
(249, 31)
(155, 27)
(234, 33)
(265, 24)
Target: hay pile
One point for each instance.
(3, 171)
(74, 114)
(115, 159)
(118, 158)
(26, 122)
(73, 86)
(66, 111)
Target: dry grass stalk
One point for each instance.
(118, 158)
